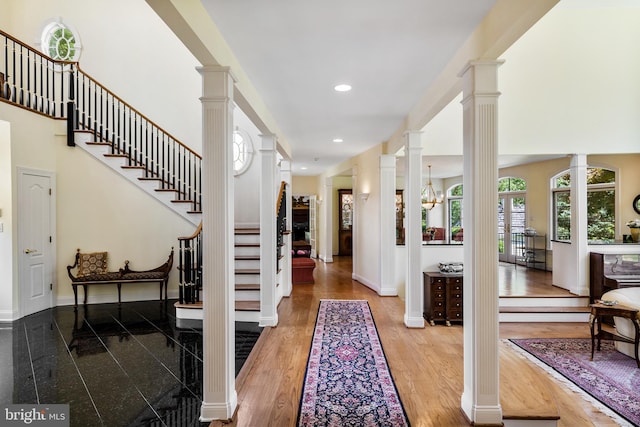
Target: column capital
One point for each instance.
(285, 166)
(387, 161)
(412, 139)
(268, 142)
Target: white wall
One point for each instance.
(127, 48)
(431, 256)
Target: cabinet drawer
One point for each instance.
(455, 281)
(453, 315)
(437, 294)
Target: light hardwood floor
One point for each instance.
(427, 364)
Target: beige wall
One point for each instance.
(304, 185)
(6, 219)
(96, 210)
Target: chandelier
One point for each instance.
(429, 197)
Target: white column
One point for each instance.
(387, 224)
(268, 217)
(481, 398)
(579, 244)
(357, 205)
(219, 398)
(327, 231)
(285, 274)
(413, 317)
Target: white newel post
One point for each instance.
(219, 398)
(268, 217)
(413, 317)
(387, 224)
(579, 241)
(481, 396)
(285, 275)
(327, 231)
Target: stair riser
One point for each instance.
(247, 316)
(243, 264)
(543, 302)
(544, 318)
(247, 279)
(247, 295)
(247, 238)
(247, 250)
(241, 316)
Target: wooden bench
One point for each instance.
(158, 275)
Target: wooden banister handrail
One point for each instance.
(146, 119)
(195, 233)
(280, 194)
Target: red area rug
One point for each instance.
(348, 382)
(612, 378)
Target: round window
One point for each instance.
(242, 151)
(60, 41)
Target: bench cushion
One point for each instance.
(92, 263)
(99, 277)
(142, 275)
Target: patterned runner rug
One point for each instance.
(612, 378)
(348, 382)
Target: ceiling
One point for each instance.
(295, 52)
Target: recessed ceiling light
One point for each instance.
(342, 88)
(338, 140)
(304, 168)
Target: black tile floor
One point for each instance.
(127, 365)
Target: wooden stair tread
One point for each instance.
(248, 305)
(247, 257)
(524, 394)
(247, 286)
(247, 231)
(248, 271)
(544, 309)
(247, 245)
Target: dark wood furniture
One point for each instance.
(345, 222)
(612, 271)
(598, 311)
(125, 275)
(442, 297)
(302, 270)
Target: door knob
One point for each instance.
(28, 251)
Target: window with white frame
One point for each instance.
(601, 197)
(454, 203)
(60, 41)
(242, 151)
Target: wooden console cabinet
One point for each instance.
(442, 297)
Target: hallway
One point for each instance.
(426, 364)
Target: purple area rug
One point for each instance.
(348, 382)
(612, 378)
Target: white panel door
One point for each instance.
(35, 241)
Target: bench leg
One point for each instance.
(75, 295)
(85, 294)
(119, 288)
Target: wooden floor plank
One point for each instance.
(426, 364)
